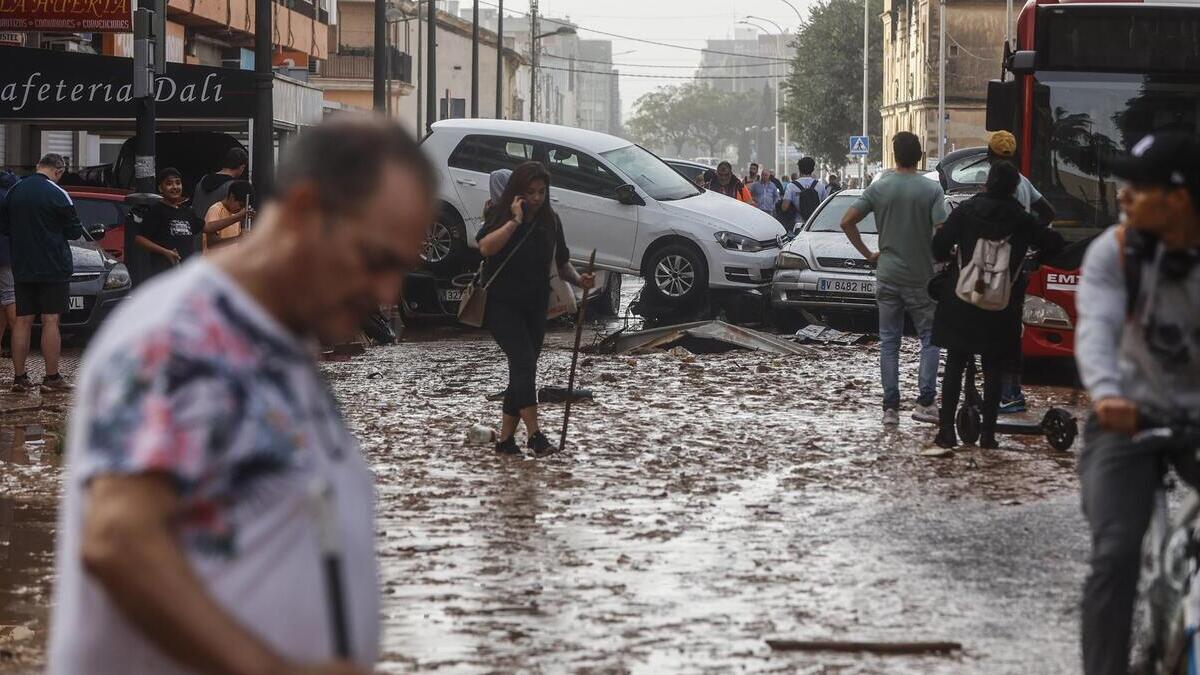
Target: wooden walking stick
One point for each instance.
(579, 317)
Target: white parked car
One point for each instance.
(820, 271)
(641, 216)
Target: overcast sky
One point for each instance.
(687, 23)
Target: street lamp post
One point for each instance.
(431, 68)
(475, 59)
(865, 79)
(500, 61)
(941, 121)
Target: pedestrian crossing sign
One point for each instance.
(860, 145)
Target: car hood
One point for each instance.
(813, 245)
(725, 214)
(87, 257)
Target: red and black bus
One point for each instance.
(1088, 81)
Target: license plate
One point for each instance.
(452, 295)
(852, 286)
(76, 302)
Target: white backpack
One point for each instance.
(986, 280)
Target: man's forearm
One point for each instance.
(151, 246)
(139, 563)
(222, 223)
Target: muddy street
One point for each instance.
(705, 503)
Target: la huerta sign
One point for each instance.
(44, 84)
(67, 16)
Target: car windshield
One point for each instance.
(651, 174)
(829, 218)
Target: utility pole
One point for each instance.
(500, 61)
(379, 87)
(420, 47)
(533, 58)
(263, 150)
(941, 120)
(431, 112)
(865, 78)
(475, 59)
(149, 59)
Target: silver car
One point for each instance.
(820, 272)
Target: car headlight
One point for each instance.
(790, 261)
(118, 278)
(736, 242)
(1041, 312)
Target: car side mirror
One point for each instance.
(627, 195)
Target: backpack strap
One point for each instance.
(1136, 248)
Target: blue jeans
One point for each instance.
(893, 302)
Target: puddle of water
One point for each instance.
(26, 570)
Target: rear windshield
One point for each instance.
(829, 218)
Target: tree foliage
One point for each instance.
(824, 88)
(673, 116)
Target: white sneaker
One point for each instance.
(891, 418)
(926, 413)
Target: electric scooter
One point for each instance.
(1058, 425)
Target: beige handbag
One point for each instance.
(474, 300)
(562, 298)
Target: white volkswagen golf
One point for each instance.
(640, 215)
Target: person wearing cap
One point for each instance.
(1137, 345)
(1002, 147)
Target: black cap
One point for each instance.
(1169, 158)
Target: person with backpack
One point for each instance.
(803, 195)
(979, 313)
(1137, 345)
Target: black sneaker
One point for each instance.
(21, 384)
(55, 384)
(508, 447)
(946, 438)
(540, 445)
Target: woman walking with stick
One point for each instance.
(521, 239)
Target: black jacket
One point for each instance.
(526, 277)
(210, 190)
(960, 325)
(39, 218)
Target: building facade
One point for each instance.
(751, 65)
(198, 33)
(974, 49)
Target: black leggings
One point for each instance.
(519, 328)
(952, 380)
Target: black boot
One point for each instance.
(540, 445)
(508, 447)
(987, 440)
(946, 438)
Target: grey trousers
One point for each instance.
(1118, 481)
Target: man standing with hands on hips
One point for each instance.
(907, 207)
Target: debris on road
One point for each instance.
(552, 395)
(701, 337)
(871, 647)
(827, 335)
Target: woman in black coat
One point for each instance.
(521, 237)
(963, 329)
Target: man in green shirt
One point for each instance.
(908, 207)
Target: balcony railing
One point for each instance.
(363, 67)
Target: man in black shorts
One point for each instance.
(39, 218)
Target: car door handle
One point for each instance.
(554, 199)
(464, 181)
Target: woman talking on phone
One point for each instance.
(520, 240)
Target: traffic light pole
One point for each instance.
(263, 150)
(149, 59)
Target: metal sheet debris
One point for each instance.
(701, 337)
(827, 335)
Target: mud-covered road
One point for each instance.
(705, 503)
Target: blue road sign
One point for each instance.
(860, 145)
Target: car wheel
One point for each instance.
(608, 301)
(445, 242)
(676, 274)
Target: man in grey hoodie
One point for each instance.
(1138, 350)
